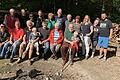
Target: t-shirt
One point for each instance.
(44, 33)
(56, 36)
(85, 29)
(33, 36)
(17, 33)
(60, 21)
(4, 36)
(27, 33)
(51, 24)
(95, 33)
(105, 26)
(77, 27)
(68, 35)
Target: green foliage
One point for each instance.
(75, 7)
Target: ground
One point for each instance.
(91, 69)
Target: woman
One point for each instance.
(86, 30)
(55, 38)
(95, 36)
(51, 21)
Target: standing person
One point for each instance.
(55, 38)
(66, 44)
(44, 31)
(95, 36)
(10, 20)
(31, 17)
(77, 24)
(23, 45)
(60, 19)
(86, 30)
(51, 21)
(4, 37)
(105, 34)
(69, 20)
(23, 18)
(39, 19)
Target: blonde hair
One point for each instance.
(50, 15)
(84, 20)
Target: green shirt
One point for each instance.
(51, 24)
(68, 35)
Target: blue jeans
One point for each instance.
(46, 47)
(15, 48)
(5, 48)
(1, 48)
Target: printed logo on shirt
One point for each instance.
(103, 25)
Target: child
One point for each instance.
(75, 40)
(33, 39)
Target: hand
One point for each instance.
(110, 37)
(40, 42)
(11, 42)
(72, 43)
(55, 43)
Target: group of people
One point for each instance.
(24, 35)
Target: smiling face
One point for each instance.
(17, 24)
(29, 24)
(40, 13)
(103, 16)
(59, 12)
(56, 26)
(12, 12)
(70, 27)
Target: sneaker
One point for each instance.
(37, 53)
(86, 57)
(18, 61)
(29, 62)
(11, 60)
(92, 56)
(71, 62)
(56, 57)
(104, 58)
(100, 56)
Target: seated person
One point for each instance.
(33, 39)
(75, 39)
(55, 38)
(44, 32)
(15, 40)
(23, 45)
(4, 37)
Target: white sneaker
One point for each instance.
(37, 53)
(100, 56)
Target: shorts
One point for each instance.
(103, 42)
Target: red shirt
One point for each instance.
(17, 33)
(51, 37)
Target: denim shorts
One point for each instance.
(103, 42)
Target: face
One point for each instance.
(59, 12)
(40, 13)
(44, 25)
(34, 30)
(69, 17)
(2, 29)
(86, 18)
(75, 34)
(30, 16)
(23, 11)
(12, 12)
(77, 20)
(70, 27)
(96, 22)
(56, 26)
(103, 16)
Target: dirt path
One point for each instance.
(91, 69)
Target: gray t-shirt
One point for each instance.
(33, 36)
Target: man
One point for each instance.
(60, 19)
(28, 30)
(66, 44)
(105, 34)
(4, 37)
(69, 20)
(44, 31)
(10, 19)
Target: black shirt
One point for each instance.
(95, 33)
(105, 26)
(44, 33)
(4, 36)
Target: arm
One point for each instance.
(91, 31)
(70, 42)
(111, 31)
